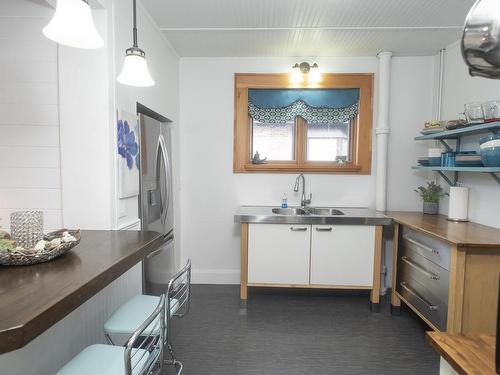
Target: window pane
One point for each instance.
(326, 142)
(273, 141)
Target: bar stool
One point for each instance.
(177, 302)
(141, 355)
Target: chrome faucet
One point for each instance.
(303, 201)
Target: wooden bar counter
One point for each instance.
(466, 354)
(34, 298)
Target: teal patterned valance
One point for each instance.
(300, 108)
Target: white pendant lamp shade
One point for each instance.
(72, 25)
(135, 70)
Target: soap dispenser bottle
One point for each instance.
(284, 202)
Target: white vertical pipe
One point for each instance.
(440, 84)
(382, 130)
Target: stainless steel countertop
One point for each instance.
(352, 216)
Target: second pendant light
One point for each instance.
(135, 70)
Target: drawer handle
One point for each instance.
(421, 245)
(418, 267)
(324, 229)
(415, 294)
(301, 229)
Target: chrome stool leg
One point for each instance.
(174, 362)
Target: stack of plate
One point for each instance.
(424, 161)
(468, 159)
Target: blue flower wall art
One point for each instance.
(127, 144)
(127, 141)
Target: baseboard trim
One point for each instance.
(211, 276)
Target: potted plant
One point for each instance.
(431, 196)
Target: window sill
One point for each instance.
(287, 168)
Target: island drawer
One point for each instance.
(429, 306)
(428, 247)
(436, 279)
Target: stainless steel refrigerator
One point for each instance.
(156, 206)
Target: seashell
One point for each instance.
(55, 242)
(19, 248)
(40, 245)
(68, 237)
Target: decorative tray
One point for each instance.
(54, 244)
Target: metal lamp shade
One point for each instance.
(481, 39)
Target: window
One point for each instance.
(328, 142)
(324, 129)
(274, 141)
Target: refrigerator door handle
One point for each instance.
(165, 158)
(159, 158)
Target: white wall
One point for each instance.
(29, 123)
(460, 88)
(211, 193)
(52, 96)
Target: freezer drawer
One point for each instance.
(426, 246)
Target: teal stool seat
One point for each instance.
(133, 313)
(103, 360)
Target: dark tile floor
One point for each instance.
(292, 332)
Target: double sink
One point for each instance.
(307, 211)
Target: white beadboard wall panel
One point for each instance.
(29, 157)
(38, 93)
(52, 219)
(32, 114)
(28, 71)
(49, 178)
(29, 104)
(41, 49)
(22, 27)
(47, 353)
(29, 135)
(27, 199)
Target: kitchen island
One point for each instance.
(36, 299)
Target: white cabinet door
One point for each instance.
(278, 254)
(342, 255)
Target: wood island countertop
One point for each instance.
(458, 233)
(467, 354)
(34, 298)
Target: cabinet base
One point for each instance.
(395, 310)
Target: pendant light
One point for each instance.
(135, 70)
(72, 25)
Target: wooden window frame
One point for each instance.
(361, 133)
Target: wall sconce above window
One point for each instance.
(305, 71)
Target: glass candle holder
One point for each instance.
(26, 228)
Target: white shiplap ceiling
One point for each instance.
(226, 28)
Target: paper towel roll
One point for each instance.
(459, 203)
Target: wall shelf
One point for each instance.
(457, 134)
(493, 172)
(493, 127)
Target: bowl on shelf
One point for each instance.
(490, 150)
